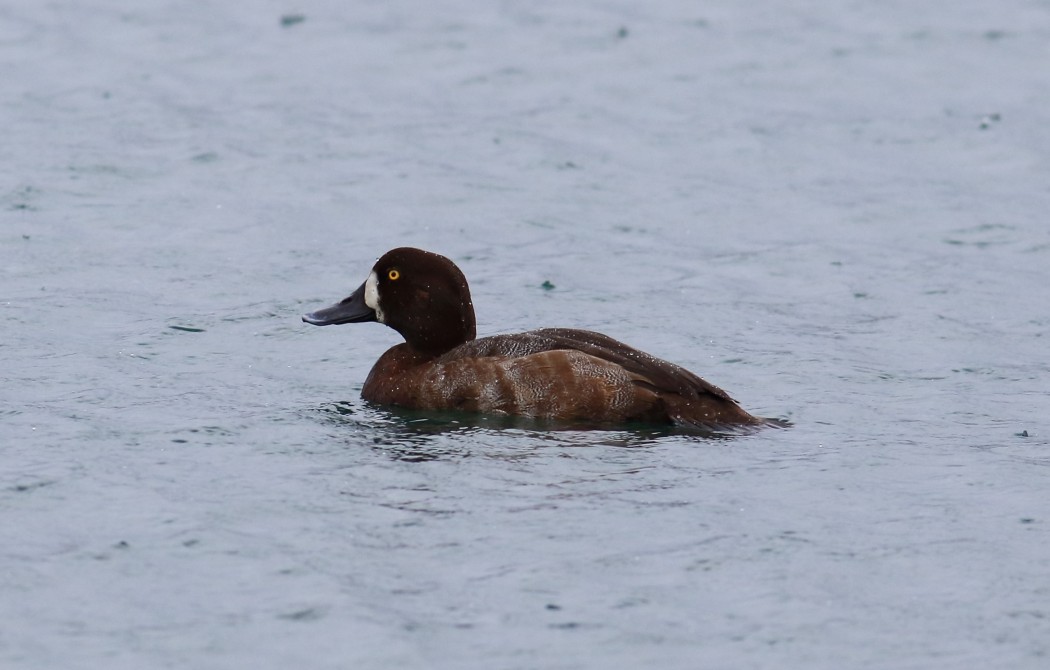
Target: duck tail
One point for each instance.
(710, 413)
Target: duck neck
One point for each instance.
(441, 328)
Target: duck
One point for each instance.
(557, 374)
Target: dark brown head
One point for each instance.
(419, 294)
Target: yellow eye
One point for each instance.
(393, 275)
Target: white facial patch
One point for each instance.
(372, 295)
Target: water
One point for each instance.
(837, 213)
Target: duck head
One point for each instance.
(420, 294)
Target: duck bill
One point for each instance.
(349, 310)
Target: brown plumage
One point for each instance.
(554, 373)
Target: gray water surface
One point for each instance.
(836, 211)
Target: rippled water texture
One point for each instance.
(836, 211)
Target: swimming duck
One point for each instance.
(554, 373)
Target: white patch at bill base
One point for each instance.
(372, 295)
